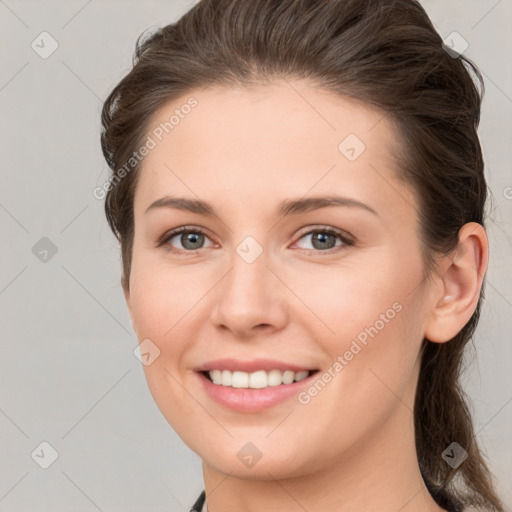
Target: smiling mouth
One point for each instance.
(256, 380)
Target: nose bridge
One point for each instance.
(249, 294)
(247, 281)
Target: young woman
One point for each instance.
(298, 193)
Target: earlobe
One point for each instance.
(459, 284)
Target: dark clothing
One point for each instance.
(198, 505)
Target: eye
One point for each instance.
(191, 239)
(324, 239)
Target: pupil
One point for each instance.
(320, 237)
(191, 238)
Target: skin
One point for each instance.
(351, 448)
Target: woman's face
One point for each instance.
(267, 283)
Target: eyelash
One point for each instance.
(347, 241)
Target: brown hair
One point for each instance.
(386, 54)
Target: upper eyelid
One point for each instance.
(320, 228)
(183, 229)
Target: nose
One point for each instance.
(250, 298)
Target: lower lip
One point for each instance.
(252, 399)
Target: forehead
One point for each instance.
(284, 138)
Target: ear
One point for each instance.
(459, 281)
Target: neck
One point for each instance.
(380, 473)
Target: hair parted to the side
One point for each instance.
(383, 53)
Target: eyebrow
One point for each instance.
(286, 207)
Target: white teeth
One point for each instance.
(288, 377)
(274, 378)
(259, 379)
(216, 376)
(226, 377)
(240, 380)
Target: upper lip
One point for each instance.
(250, 366)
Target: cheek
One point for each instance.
(148, 302)
(163, 297)
(369, 323)
(350, 297)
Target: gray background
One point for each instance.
(68, 373)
